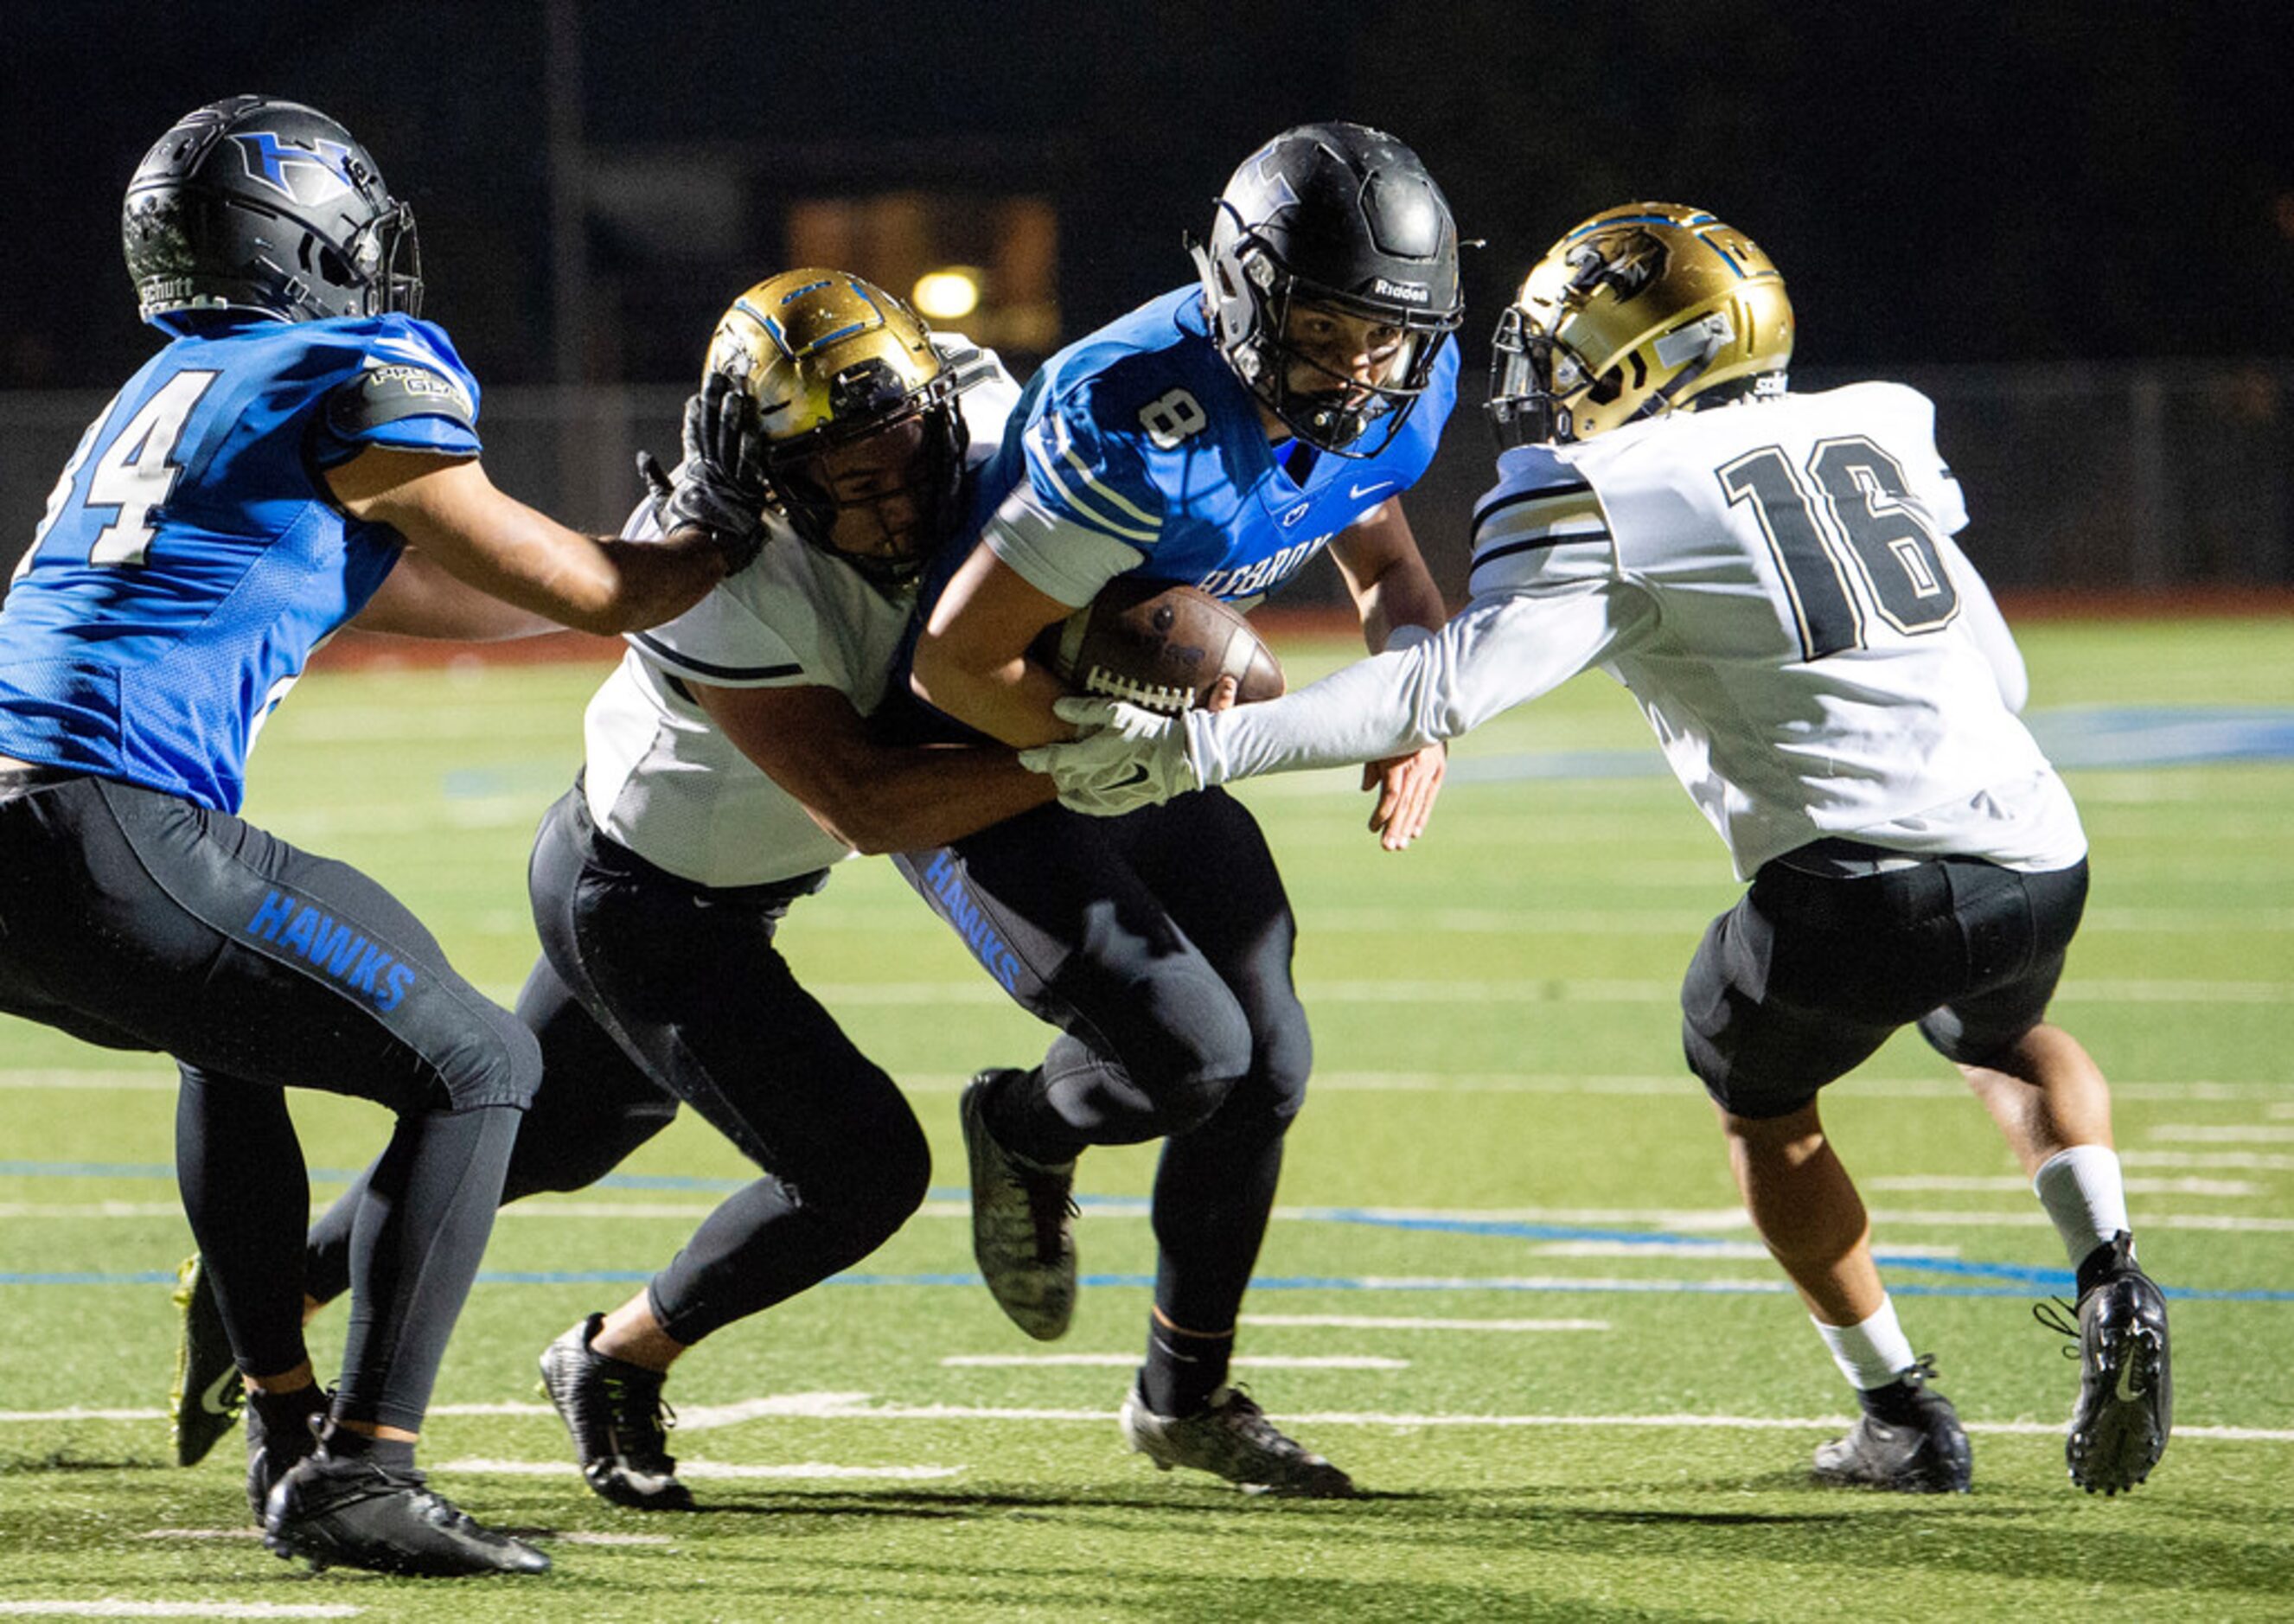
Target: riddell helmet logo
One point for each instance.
(1409, 292)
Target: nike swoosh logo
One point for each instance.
(1374, 488)
(211, 1400)
(2126, 1393)
(1138, 776)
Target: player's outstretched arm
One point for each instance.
(972, 657)
(873, 797)
(1501, 651)
(447, 509)
(420, 598)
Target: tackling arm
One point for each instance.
(1501, 651)
(1498, 653)
(448, 509)
(419, 597)
(873, 797)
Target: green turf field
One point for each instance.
(1507, 1288)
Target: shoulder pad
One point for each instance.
(386, 391)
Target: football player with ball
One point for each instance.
(1773, 577)
(1219, 437)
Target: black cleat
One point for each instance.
(2127, 1398)
(208, 1391)
(1023, 1223)
(1233, 1438)
(1921, 1448)
(353, 1513)
(281, 1434)
(619, 1421)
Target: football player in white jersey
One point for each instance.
(1773, 577)
(731, 766)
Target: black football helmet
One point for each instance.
(1344, 216)
(256, 205)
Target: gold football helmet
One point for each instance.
(1639, 310)
(865, 444)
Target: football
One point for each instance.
(1160, 645)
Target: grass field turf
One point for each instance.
(1580, 1392)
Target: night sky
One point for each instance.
(1941, 182)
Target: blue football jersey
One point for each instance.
(191, 557)
(1142, 436)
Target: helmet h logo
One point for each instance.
(1274, 177)
(301, 175)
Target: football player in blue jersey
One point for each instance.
(303, 451)
(1772, 574)
(1220, 436)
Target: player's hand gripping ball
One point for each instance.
(1160, 646)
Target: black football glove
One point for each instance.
(720, 486)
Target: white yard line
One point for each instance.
(860, 1406)
(2239, 1161)
(2250, 1133)
(1374, 1322)
(711, 1470)
(1122, 1361)
(2013, 1184)
(154, 1081)
(119, 1607)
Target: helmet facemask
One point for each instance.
(1642, 310)
(879, 490)
(1329, 408)
(1340, 218)
(386, 256)
(865, 431)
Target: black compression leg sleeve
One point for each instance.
(415, 1246)
(593, 1108)
(245, 1193)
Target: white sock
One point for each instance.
(1871, 1353)
(2083, 1193)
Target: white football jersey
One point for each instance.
(1776, 585)
(661, 779)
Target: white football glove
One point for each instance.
(1126, 757)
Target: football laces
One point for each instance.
(1147, 696)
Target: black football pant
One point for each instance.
(1159, 942)
(1809, 974)
(137, 921)
(652, 991)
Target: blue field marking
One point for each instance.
(2164, 736)
(2014, 1279)
(2052, 1280)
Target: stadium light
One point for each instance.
(947, 294)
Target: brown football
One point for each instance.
(1160, 645)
